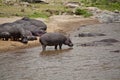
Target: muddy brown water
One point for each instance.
(91, 58)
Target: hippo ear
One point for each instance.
(67, 41)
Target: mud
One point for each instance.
(77, 63)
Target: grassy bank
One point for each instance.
(103, 4)
(35, 10)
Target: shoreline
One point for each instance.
(62, 23)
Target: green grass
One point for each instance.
(14, 11)
(38, 10)
(83, 12)
(38, 14)
(110, 6)
(103, 4)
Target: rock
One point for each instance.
(104, 16)
(25, 4)
(38, 1)
(108, 17)
(116, 11)
(94, 10)
(72, 4)
(22, 10)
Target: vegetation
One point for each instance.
(83, 12)
(103, 4)
(37, 14)
(39, 10)
(34, 10)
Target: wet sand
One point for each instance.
(95, 56)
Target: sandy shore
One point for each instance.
(55, 24)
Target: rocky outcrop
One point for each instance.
(108, 17)
(105, 16)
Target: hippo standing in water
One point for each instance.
(54, 39)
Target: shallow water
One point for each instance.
(97, 62)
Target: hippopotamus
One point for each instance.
(36, 27)
(37, 23)
(15, 31)
(54, 39)
(30, 37)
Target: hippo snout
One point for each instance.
(71, 45)
(25, 40)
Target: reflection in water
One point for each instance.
(54, 52)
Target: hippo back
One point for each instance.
(52, 39)
(37, 23)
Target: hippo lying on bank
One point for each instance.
(24, 29)
(54, 39)
(9, 30)
(36, 27)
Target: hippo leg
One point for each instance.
(55, 47)
(5, 39)
(60, 46)
(44, 47)
(23, 35)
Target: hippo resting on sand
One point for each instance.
(36, 27)
(54, 39)
(24, 30)
(10, 30)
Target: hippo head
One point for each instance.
(68, 42)
(38, 32)
(24, 40)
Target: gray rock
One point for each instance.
(72, 4)
(108, 17)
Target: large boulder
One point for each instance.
(108, 17)
(104, 16)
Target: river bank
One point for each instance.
(62, 23)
